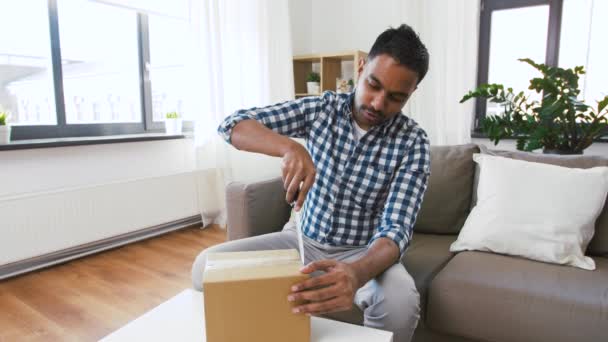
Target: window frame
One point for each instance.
(485, 25)
(64, 130)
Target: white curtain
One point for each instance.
(449, 29)
(242, 58)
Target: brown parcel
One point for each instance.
(246, 297)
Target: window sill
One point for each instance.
(481, 135)
(78, 141)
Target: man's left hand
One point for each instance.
(331, 292)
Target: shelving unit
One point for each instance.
(329, 67)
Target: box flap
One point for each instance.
(237, 266)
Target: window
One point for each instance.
(566, 33)
(26, 79)
(99, 63)
(167, 67)
(583, 42)
(71, 68)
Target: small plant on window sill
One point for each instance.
(5, 128)
(560, 123)
(173, 123)
(3, 118)
(172, 115)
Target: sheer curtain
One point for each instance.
(449, 30)
(241, 58)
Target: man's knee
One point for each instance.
(396, 301)
(198, 267)
(400, 286)
(403, 305)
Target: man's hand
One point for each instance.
(298, 174)
(298, 169)
(331, 292)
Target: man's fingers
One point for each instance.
(315, 282)
(315, 295)
(319, 265)
(308, 182)
(293, 188)
(287, 177)
(332, 305)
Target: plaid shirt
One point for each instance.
(363, 190)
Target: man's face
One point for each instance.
(383, 88)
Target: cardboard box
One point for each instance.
(246, 297)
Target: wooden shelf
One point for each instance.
(329, 66)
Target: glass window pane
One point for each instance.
(168, 52)
(99, 62)
(510, 41)
(26, 78)
(583, 42)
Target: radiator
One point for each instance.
(36, 224)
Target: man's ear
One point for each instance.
(362, 62)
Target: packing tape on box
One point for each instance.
(243, 263)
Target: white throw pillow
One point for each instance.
(536, 211)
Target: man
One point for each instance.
(359, 184)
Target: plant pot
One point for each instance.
(561, 152)
(173, 126)
(5, 134)
(312, 87)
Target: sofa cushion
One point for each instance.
(447, 200)
(599, 244)
(424, 258)
(526, 209)
(256, 208)
(494, 297)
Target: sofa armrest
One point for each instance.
(255, 208)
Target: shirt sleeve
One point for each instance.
(291, 118)
(405, 196)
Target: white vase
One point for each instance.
(173, 126)
(312, 87)
(5, 134)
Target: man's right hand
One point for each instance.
(298, 169)
(298, 174)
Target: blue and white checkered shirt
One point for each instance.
(364, 189)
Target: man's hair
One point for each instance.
(403, 45)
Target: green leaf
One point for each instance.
(558, 121)
(602, 104)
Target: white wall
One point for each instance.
(340, 25)
(320, 26)
(37, 170)
(300, 13)
(57, 198)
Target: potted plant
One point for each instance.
(173, 123)
(351, 85)
(312, 83)
(560, 123)
(344, 86)
(5, 128)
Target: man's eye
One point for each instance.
(373, 85)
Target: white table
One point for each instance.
(182, 318)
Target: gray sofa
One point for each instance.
(469, 296)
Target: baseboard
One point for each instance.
(31, 264)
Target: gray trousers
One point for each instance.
(389, 301)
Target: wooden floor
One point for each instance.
(88, 298)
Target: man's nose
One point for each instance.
(378, 102)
